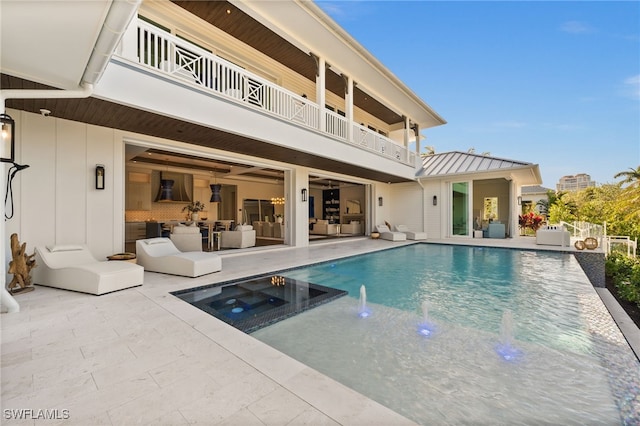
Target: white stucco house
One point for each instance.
(265, 100)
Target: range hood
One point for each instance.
(172, 188)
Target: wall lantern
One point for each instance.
(215, 193)
(380, 201)
(99, 176)
(304, 194)
(435, 200)
(8, 138)
(519, 200)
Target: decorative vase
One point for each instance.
(194, 216)
(279, 219)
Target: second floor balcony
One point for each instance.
(176, 58)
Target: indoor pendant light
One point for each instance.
(215, 190)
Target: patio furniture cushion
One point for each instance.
(187, 238)
(323, 227)
(244, 236)
(161, 255)
(387, 234)
(553, 235)
(73, 267)
(410, 234)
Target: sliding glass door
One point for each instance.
(460, 208)
(257, 210)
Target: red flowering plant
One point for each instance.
(530, 220)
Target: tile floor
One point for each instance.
(143, 356)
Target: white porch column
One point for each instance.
(416, 130)
(321, 93)
(348, 99)
(407, 136)
(297, 209)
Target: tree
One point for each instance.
(544, 205)
(631, 177)
(429, 150)
(560, 212)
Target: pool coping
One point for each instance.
(624, 322)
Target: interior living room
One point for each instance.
(239, 205)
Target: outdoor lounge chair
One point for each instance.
(387, 234)
(73, 267)
(161, 255)
(410, 234)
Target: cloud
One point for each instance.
(632, 87)
(509, 125)
(346, 10)
(576, 27)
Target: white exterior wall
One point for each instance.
(435, 216)
(407, 206)
(55, 199)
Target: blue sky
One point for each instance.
(555, 83)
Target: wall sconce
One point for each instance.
(99, 176)
(304, 194)
(8, 138)
(380, 201)
(435, 200)
(519, 200)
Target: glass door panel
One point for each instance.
(460, 208)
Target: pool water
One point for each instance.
(572, 365)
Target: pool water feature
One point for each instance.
(256, 302)
(571, 365)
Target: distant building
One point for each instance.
(575, 182)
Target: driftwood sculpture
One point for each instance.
(20, 267)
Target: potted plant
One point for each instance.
(194, 208)
(278, 217)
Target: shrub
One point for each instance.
(625, 274)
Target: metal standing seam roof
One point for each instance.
(455, 162)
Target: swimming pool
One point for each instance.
(573, 366)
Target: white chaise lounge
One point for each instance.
(161, 255)
(73, 267)
(411, 235)
(387, 234)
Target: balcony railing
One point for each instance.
(191, 64)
